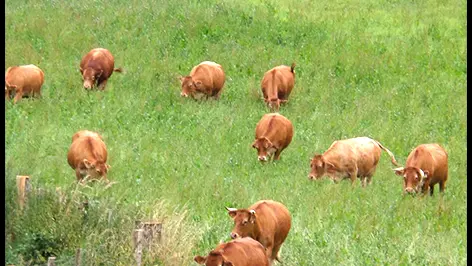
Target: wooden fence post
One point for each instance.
(24, 187)
(152, 231)
(78, 258)
(52, 261)
(138, 247)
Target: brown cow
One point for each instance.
(88, 156)
(96, 68)
(349, 158)
(425, 167)
(266, 221)
(238, 252)
(83, 133)
(274, 133)
(24, 81)
(277, 84)
(206, 79)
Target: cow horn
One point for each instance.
(421, 173)
(231, 209)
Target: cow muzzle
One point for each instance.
(234, 235)
(262, 158)
(183, 94)
(88, 85)
(410, 190)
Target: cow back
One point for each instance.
(362, 152)
(273, 218)
(87, 147)
(279, 80)
(210, 74)
(99, 59)
(432, 158)
(244, 251)
(28, 78)
(275, 127)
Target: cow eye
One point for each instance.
(244, 222)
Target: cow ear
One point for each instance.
(87, 164)
(199, 259)
(252, 217)
(81, 70)
(330, 167)
(231, 211)
(254, 144)
(399, 171)
(198, 84)
(426, 174)
(267, 143)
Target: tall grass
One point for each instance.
(391, 70)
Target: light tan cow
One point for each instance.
(206, 79)
(96, 68)
(23, 81)
(274, 133)
(349, 158)
(266, 221)
(88, 156)
(426, 166)
(238, 252)
(277, 84)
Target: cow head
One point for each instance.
(414, 179)
(265, 148)
(244, 222)
(95, 169)
(215, 258)
(319, 168)
(189, 86)
(90, 77)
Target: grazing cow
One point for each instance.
(238, 252)
(277, 84)
(23, 81)
(96, 68)
(88, 156)
(83, 133)
(205, 80)
(274, 133)
(266, 221)
(425, 167)
(349, 158)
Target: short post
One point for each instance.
(52, 261)
(152, 230)
(138, 247)
(78, 258)
(24, 187)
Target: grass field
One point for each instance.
(391, 70)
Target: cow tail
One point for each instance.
(273, 96)
(292, 67)
(120, 70)
(392, 157)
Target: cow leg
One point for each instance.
(364, 181)
(77, 174)
(353, 176)
(18, 96)
(442, 186)
(277, 155)
(275, 252)
(431, 190)
(269, 248)
(102, 85)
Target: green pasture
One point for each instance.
(391, 70)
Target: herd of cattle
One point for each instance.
(259, 230)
